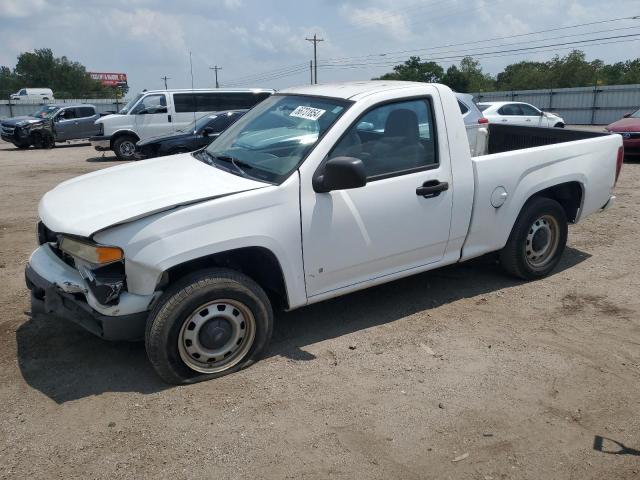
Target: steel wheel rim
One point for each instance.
(127, 148)
(216, 336)
(542, 241)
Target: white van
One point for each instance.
(33, 95)
(162, 112)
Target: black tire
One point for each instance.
(559, 125)
(540, 217)
(125, 147)
(22, 146)
(188, 297)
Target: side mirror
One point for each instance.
(340, 173)
(626, 115)
(206, 131)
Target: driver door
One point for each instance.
(355, 236)
(152, 116)
(65, 124)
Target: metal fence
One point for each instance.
(599, 105)
(13, 108)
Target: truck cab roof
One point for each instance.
(351, 90)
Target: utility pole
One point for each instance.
(315, 41)
(311, 70)
(215, 68)
(165, 78)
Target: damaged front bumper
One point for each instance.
(58, 289)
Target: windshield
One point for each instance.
(636, 114)
(483, 106)
(272, 139)
(46, 111)
(198, 124)
(128, 106)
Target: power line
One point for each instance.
(476, 52)
(250, 77)
(485, 56)
(315, 41)
(473, 42)
(293, 69)
(503, 51)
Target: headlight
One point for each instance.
(95, 254)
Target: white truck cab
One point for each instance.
(316, 192)
(156, 113)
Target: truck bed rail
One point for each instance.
(505, 138)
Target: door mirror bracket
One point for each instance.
(340, 173)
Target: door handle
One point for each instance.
(528, 120)
(432, 188)
(169, 118)
(505, 120)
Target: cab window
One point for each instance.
(151, 104)
(392, 139)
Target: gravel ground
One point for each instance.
(461, 373)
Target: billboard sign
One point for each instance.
(109, 79)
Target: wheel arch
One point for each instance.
(122, 133)
(258, 263)
(570, 195)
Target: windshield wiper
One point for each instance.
(233, 161)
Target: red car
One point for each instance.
(629, 128)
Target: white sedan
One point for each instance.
(519, 113)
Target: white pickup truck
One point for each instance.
(316, 192)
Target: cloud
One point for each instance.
(21, 8)
(391, 21)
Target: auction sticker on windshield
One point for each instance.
(308, 113)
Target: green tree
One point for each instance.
(523, 76)
(456, 80)
(41, 68)
(415, 70)
(572, 70)
(477, 80)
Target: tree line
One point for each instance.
(67, 79)
(571, 70)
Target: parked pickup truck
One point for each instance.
(50, 124)
(316, 192)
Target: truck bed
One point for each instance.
(524, 160)
(506, 138)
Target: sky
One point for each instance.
(261, 43)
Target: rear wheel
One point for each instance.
(210, 324)
(537, 240)
(559, 125)
(125, 147)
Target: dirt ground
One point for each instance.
(461, 373)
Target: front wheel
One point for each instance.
(125, 147)
(537, 240)
(209, 324)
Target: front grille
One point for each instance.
(7, 129)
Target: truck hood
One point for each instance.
(89, 203)
(22, 120)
